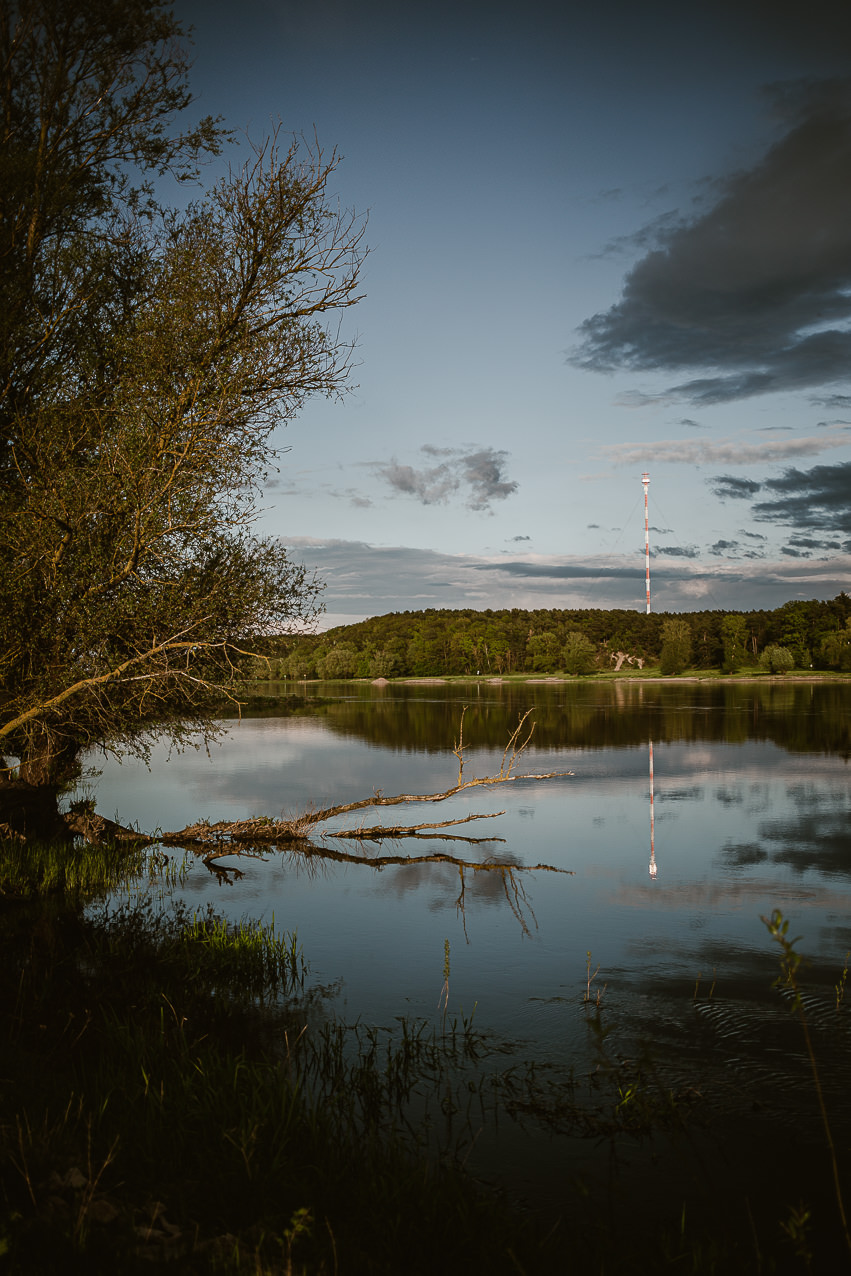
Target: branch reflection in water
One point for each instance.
(296, 836)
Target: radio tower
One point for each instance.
(645, 478)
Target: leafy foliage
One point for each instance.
(777, 659)
(498, 642)
(146, 354)
(676, 645)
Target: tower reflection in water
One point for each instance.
(652, 825)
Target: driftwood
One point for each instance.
(262, 831)
(300, 834)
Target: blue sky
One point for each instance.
(602, 242)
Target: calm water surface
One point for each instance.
(751, 811)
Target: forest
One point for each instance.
(799, 635)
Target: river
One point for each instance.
(680, 815)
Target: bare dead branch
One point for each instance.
(329, 812)
(313, 852)
(379, 831)
(297, 835)
(459, 747)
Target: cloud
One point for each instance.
(352, 495)
(754, 293)
(725, 451)
(369, 580)
(810, 542)
(678, 551)
(817, 500)
(481, 472)
(731, 487)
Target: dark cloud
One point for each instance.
(678, 551)
(368, 580)
(480, 472)
(560, 570)
(520, 538)
(733, 549)
(810, 501)
(815, 500)
(756, 291)
(689, 424)
(728, 486)
(810, 542)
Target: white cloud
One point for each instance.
(725, 451)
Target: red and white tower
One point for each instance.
(645, 478)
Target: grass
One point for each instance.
(28, 869)
(163, 1099)
(174, 1094)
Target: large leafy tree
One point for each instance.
(146, 355)
(676, 645)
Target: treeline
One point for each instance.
(799, 635)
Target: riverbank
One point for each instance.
(754, 676)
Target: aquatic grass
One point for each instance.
(36, 868)
(248, 958)
(597, 997)
(174, 1092)
(839, 986)
(790, 962)
(206, 1126)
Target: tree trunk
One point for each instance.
(31, 811)
(29, 803)
(47, 759)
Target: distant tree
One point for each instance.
(543, 652)
(339, 662)
(734, 635)
(300, 663)
(383, 664)
(777, 659)
(835, 648)
(676, 645)
(578, 654)
(797, 620)
(146, 354)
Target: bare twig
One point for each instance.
(459, 747)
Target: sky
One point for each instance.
(604, 241)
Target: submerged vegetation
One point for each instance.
(175, 1094)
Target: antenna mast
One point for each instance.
(645, 479)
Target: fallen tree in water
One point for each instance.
(304, 833)
(303, 836)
